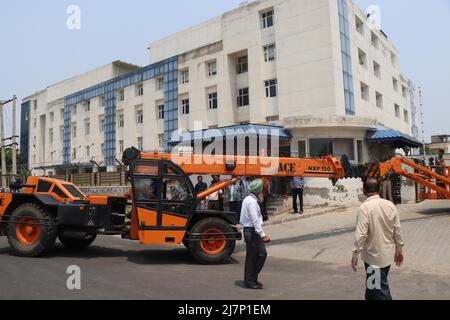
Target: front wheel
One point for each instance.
(31, 231)
(213, 247)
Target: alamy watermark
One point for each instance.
(73, 22)
(74, 280)
(374, 278)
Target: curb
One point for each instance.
(292, 217)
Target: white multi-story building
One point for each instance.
(317, 68)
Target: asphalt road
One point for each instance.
(308, 259)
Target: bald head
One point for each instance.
(372, 186)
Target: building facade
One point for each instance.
(440, 142)
(317, 68)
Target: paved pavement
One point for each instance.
(308, 260)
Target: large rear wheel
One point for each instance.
(213, 248)
(31, 231)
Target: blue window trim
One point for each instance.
(167, 68)
(346, 58)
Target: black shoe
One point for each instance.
(259, 284)
(301, 211)
(253, 285)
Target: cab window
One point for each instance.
(176, 190)
(146, 189)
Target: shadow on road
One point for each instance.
(174, 256)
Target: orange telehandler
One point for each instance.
(162, 200)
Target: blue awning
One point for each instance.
(393, 137)
(232, 132)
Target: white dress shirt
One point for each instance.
(378, 232)
(251, 216)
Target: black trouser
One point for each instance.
(297, 193)
(221, 204)
(236, 206)
(214, 205)
(382, 292)
(256, 255)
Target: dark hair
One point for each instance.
(199, 177)
(372, 185)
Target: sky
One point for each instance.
(37, 49)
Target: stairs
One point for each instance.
(279, 205)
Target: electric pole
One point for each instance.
(3, 153)
(14, 139)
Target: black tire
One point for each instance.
(198, 251)
(45, 240)
(77, 242)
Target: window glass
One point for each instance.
(146, 169)
(146, 189)
(175, 190)
(320, 147)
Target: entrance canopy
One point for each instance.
(393, 137)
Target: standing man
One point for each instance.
(255, 238)
(297, 186)
(235, 196)
(378, 240)
(199, 188)
(440, 163)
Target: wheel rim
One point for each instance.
(28, 231)
(210, 243)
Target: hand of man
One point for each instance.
(399, 258)
(266, 239)
(355, 263)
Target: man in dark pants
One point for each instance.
(297, 186)
(378, 241)
(255, 238)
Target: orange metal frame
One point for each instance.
(424, 177)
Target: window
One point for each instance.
(395, 84)
(160, 111)
(74, 110)
(74, 130)
(50, 135)
(212, 100)
(212, 68)
(271, 88)
(88, 151)
(243, 97)
(52, 116)
(379, 99)
(320, 147)
(376, 69)
(406, 115)
(121, 146)
(61, 133)
(374, 39)
(267, 18)
(140, 143)
(302, 148)
(102, 101)
(34, 123)
(102, 147)
(140, 116)
(394, 59)
(184, 76)
(102, 124)
(122, 95)
(364, 91)
(160, 84)
(61, 115)
(242, 65)
(359, 150)
(35, 105)
(185, 106)
(74, 153)
(121, 120)
(397, 110)
(161, 140)
(359, 25)
(140, 90)
(362, 58)
(87, 127)
(404, 92)
(87, 106)
(270, 52)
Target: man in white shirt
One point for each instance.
(255, 238)
(378, 240)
